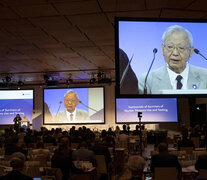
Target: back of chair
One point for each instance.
(165, 173)
(198, 153)
(203, 174)
(32, 172)
(188, 150)
(196, 141)
(80, 177)
(101, 168)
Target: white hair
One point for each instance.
(176, 28)
(136, 163)
(69, 92)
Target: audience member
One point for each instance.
(136, 131)
(62, 159)
(136, 165)
(185, 142)
(17, 163)
(124, 131)
(84, 154)
(117, 131)
(164, 158)
(11, 146)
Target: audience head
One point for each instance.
(17, 161)
(83, 144)
(136, 164)
(163, 147)
(39, 145)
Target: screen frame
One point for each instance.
(160, 122)
(117, 64)
(60, 124)
(33, 90)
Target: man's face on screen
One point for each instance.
(71, 101)
(176, 51)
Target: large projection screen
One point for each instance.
(13, 102)
(89, 109)
(153, 110)
(135, 41)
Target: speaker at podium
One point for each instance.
(24, 123)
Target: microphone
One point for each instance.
(145, 81)
(58, 108)
(125, 71)
(198, 52)
(87, 106)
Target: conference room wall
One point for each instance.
(183, 110)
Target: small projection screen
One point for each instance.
(87, 105)
(153, 110)
(13, 102)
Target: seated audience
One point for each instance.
(17, 163)
(164, 158)
(40, 151)
(62, 159)
(185, 142)
(136, 165)
(84, 154)
(11, 146)
(100, 148)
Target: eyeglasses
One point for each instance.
(73, 101)
(181, 49)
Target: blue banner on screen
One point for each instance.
(153, 110)
(13, 102)
(74, 105)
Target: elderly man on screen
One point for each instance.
(71, 114)
(177, 48)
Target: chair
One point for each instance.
(2, 171)
(4, 163)
(101, 168)
(165, 173)
(188, 150)
(7, 157)
(203, 174)
(154, 153)
(196, 141)
(32, 172)
(80, 177)
(74, 145)
(198, 153)
(178, 153)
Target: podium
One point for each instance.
(24, 123)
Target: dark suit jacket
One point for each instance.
(201, 162)
(185, 143)
(130, 83)
(15, 175)
(84, 155)
(100, 149)
(165, 159)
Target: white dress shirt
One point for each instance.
(174, 75)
